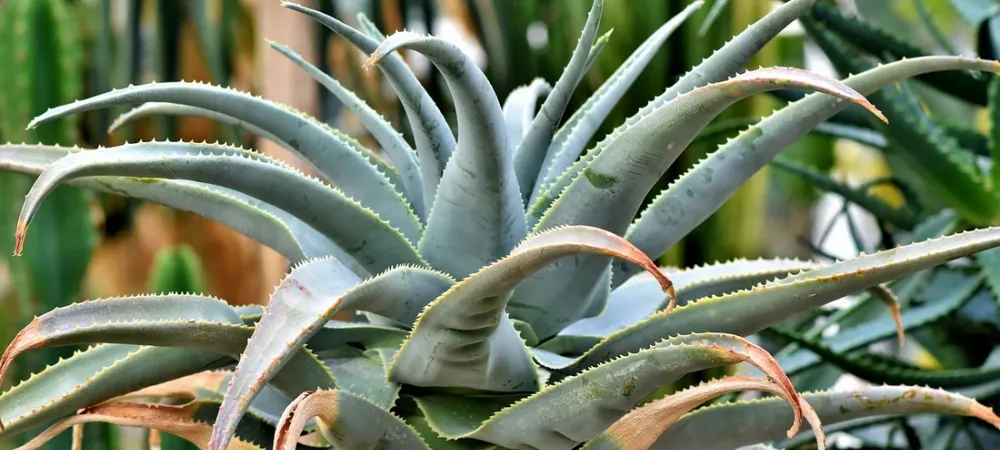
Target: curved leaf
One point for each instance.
(749, 311)
(402, 156)
(722, 64)
(519, 108)
(695, 431)
(530, 154)
(305, 300)
(249, 216)
(98, 374)
(153, 109)
(187, 421)
(347, 421)
(431, 133)
(366, 238)
(611, 188)
(464, 339)
(477, 216)
(579, 408)
(640, 296)
(350, 167)
(570, 140)
(698, 193)
(639, 429)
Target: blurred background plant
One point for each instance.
(852, 186)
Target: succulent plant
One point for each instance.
(498, 287)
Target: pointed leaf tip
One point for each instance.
(639, 429)
(26, 339)
(19, 235)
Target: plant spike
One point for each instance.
(339, 160)
(434, 140)
(481, 217)
(402, 156)
(530, 154)
(570, 140)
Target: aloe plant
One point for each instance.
(490, 316)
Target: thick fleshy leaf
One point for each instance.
(347, 421)
(373, 243)
(722, 64)
(641, 295)
(173, 320)
(579, 408)
(519, 108)
(190, 421)
(530, 154)
(153, 109)
(464, 339)
(305, 300)
(693, 197)
(749, 311)
(627, 165)
(356, 171)
(98, 374)
(877, 41)
(570, 140)
(255, 219)
(477, 216)
(639, 429)
(402, 156)
(431, 133)
(695, 431)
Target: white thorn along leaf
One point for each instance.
(639, 429)
(464, 338)
(695, 430)
(345, 420)
(748, 311)
(529, 155)
(519, 108)
(431, 133)
(574, 410)
(570, 140)
(720, 65)
(478, 215)
(402, 156)
(350, 167)
(308, 297)
(371, 242)
(612, 186)
(699, 192)
(640, 296)
(247, 215)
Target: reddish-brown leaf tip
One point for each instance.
(26, 339)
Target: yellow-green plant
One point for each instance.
(486, 310)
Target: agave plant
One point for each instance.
(472, 279)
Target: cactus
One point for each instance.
(512, 309)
